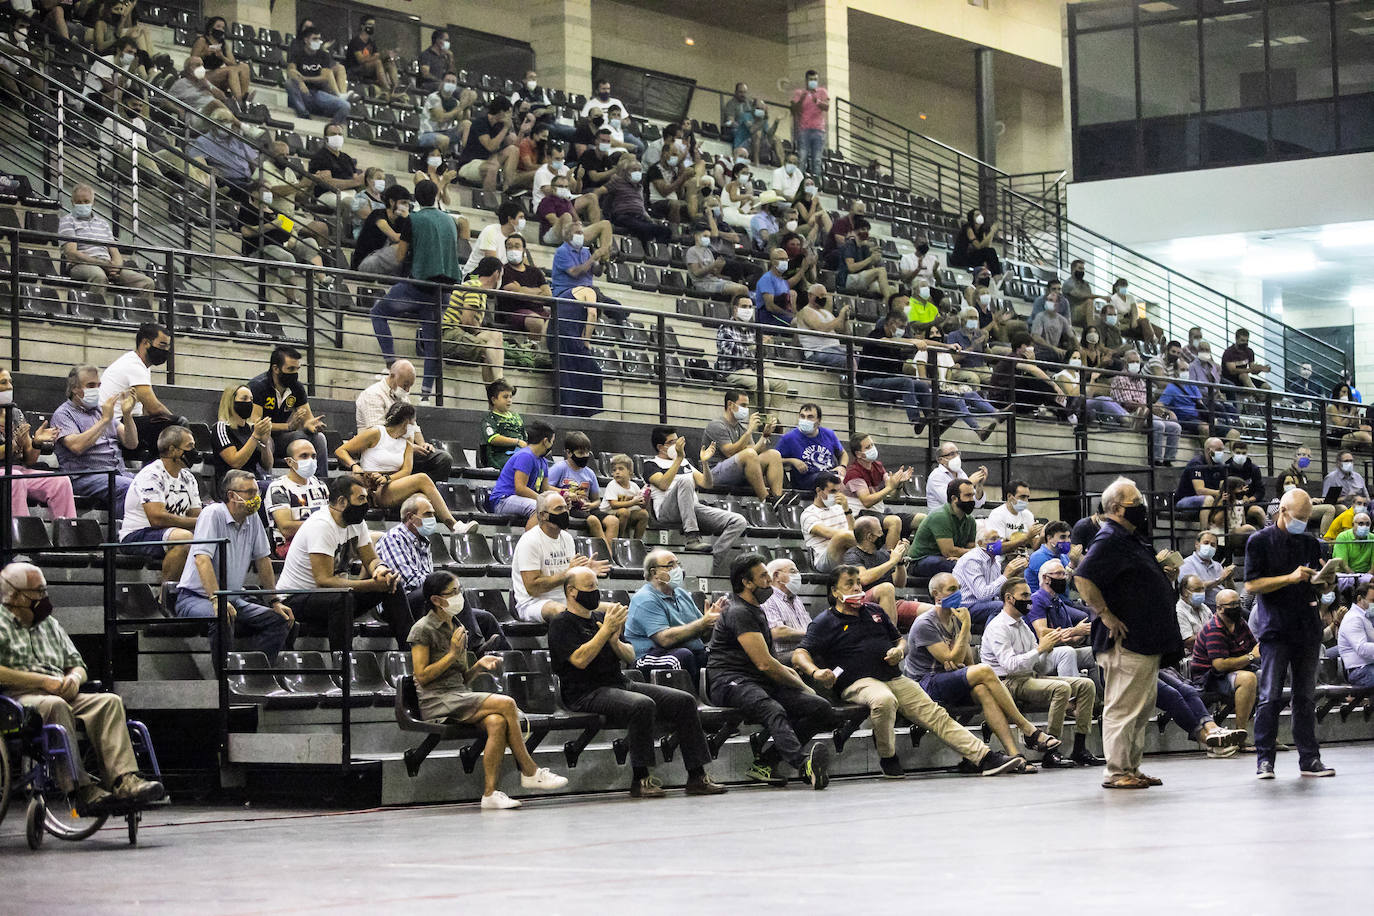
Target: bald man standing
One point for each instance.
(1280, 562)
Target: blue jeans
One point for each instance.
(912, 392)
(406, 300)
(261, 628)
(1190, 502)
(980, 612)
(829, 357)
(926, 567)
(810, 147)
(97, 486)
(317, 102)
(1276, 658)
(1362, 676)
(1181, 701)
(1105, 408)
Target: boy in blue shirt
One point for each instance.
(523, 476)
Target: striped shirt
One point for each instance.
(466, 306)
(95, 229)
(45, 649)
(1216, 642)
(407, 555)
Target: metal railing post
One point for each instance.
(555, 356)
(662, 326)
(170, 319)
(852, 373)
(310, 315)
(14, 299)
(346, 683)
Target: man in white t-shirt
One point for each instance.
(491, 241)
(543, 557)
(295, 496)
(318, 559)
(1014, 521)
(162, 503)
(787, 178)
(828, 524)
(918, 267)
(131, 372)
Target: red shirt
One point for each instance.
(875, 476)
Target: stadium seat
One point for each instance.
(259, 686)
(292, 671)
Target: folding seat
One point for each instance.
(259, 686)
(294, 676)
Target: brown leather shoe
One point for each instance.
(648, 787)
(1152, 780)
(705, 786)
(1125, 781)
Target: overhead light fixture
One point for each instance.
(689, 40)
(1267, 264)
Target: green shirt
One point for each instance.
(1359, 554)
(433, 245)
(45, 649)
(499, 424)
(942, 523)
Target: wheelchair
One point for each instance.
(34, 755)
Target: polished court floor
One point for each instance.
(1213, 839)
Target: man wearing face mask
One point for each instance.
(861, 264)
(90, 437)
(948, 468)
(405, 547)
(41, 668)
(1129, 391)
(1080, 295)
(435, 61)
(365, 63)
(95, 260)
(1199, 486)
(1135, 632)
(1210, 572)
(195, 91)
(882, 571)
(674, 190)
(742, 453)
(735, 355)
(1051, 610)
(826, 352)
(162, 503)
(294, 496)
(1355, 641)
(981, 574)
(1053, 299)
(545, 557)
(810, 105)
(1013, 521)
(785, 610)
(255, 626)
(315, 85)
(707, 269)
(623, 203)
(337, 171)
(1192, 610)
(947, 533)
(774, 300)
(787, 178)
(446, 115)
(1345, 479)
(1304, 386)
(1225, 657)
(603, 99)
(1357, 549)
(1057, 546)
(664, 625)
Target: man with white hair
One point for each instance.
(94, 258)
(376, 399)
(981, 576)
(40, 667)
(664, 625)
(1050, 611)
(405, 547)
(1135, 630)
(785, 611)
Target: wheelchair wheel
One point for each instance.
(6, 777)
(33, 822)
(63, 822)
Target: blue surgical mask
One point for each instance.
(82, 211)
(428, 525)
(1021, 505)
(806, 427)
(1063, 548)
(1362, 531)
(1303, 462)
(676, 576)
(1196, 598)
(953, 601)
(1296, 526)
(994, 548)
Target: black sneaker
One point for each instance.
(892, 767)
(816, 770)
(1316, 769)
(995, 763)
(1265, 770)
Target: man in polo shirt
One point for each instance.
(871, 484)
(95, 259)
(947, 533)
(1058, 545)
(665, 626)
(1135, 630)
(827, 524)
(465, 338)
(279, 395)
(1226, 656)
(1280, 562)
(132, 372)
(1346, 479)
(89, 438)
(744, 674)
(262, 627)
(774, 304)
(862, 652)
(785, 611)
(742, 454)
(949, 466)
(523, 477)
(162, 503)
(882, 571)
(1356, 547)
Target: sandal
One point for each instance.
(1042, 741)
(1126, 781)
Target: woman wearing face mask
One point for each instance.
(973, 244)
(1074, 381)
(240, 445)
(737, 198)
(528, 319)
(1133, 320)
(221, 69)
(811, 213)
(1345, 428)
(383, 456)
(117, 19)
(445, 667)
(24, 448)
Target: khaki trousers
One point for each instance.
(1130, 683)
(104, 718)
(885, 698)
(1054, 694)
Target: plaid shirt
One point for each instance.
(45, 649)
(734, 349)
(406, 555)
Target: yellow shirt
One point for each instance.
(469, 298)
(1343, 522)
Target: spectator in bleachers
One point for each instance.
(871, 484)
(970, 338)
(130, 373)
(764, 224)
(947, 533)
(1108, 327)
(980, 575)
(1345, 479)
(1132, 312)
(523, 476)
(527, 319)
(1188, 403)
(544, 558)
(240, 445)
(1013, 520)
(1052, 330)
(230, 162)
(222, 70)
(1238, 364)
(162, 503)
(374, 401)
(941, 659)
(1095, 355)
(572, 477)
(115, 19)
(1356, 548)
(23, 445)
(665, 626)
(439, 653)
(1128, 390)
(1226, 656)
(491, 241)
(949, 467)
(828, 523)
(578, 376)
(787, 178)
(95, 259)
(1058, 545)
(110, 75)
(1080, 295)
(1050, 610)
(365, 64)
(626, 499)
(43, 671)
(957, 401)
(881, 376)
(737, 197)
(742, 454)
(1017, 380)
(1192, 610)
(602, 98)
(707, 269)
(92, 437)
(810, 106)
(1199, 486)
(1209, 571)
(315, 85)
(1304, 386)
(1355, 639)
(1024, 664)
(860, 265)
(774, 300)
(337, 171)
(752, 129)
(279, 395)
(1345, 520)
(587, 646)
(863, 652)
(262, 626)
(810, 450)
(292, 497)
(674, 191)
(265, 236)
(785, 610)
(383, 458)
(973, 244)
(1345, 428)
(405, 548)
(816, 316)
(435, 61)
(587, 205)
(623, 203)
(380, 248)
(1322, 512)
(195, 91)
(882, 570)
(597, 164)
(811, 212)
(533, 100)
(559, 220)
(312, 564)
(491, 155)
(1052, 299)
(465, 336)
(503, 429)
(445, 115)
(674, 484)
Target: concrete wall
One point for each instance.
(1027, 28)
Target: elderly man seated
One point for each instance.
(981, 575)
(161, 505)
(544, 558)
(1226, 656)
(665, 626)
(92, 256)
(40, 667)
(1050, 610)
(882, 571)
(785, 610)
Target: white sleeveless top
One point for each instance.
(387, 456)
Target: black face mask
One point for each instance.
(288, 378)
(965, 506)
(597, 122)
(604, 96)
(762, 594)
(217, 34)
(353, 515)
(578, 461)
(1137, 515)
(922, 250)
(369, 29)
(1059, 586)
(190, 457)
(41, 610)
(559, 520)
(1078, 274)
(1022, 606)
(157, 356)
(243, 409)
(590, 599)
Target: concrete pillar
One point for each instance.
(818, 39)
(257, 13)
(985, 113)
(561, 35)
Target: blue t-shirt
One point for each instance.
(652, 611)
(769, 283)
(1057, 613)
(1042, 555)
(565, 257)
(563, 475)
(821, 452)
(1182, 400)
(525, 460)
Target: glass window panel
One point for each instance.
(1233, 139)
(1355, 45)
(1299, 52)
(1357, 123)
(1106, 76)
(1233, 57)
(1171, 144)
(1304, 130)
(1107, 151)
(1169, 69)
(1097, 15)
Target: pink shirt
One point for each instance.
(812, 114)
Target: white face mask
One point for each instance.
(1133, 368)
(520, 224)
(267, 198)
(434, 161)
(450, 88)
(315, 44)
(1289, 486)
(812, 84)
(971, 324)
(704, 241)
(1075, 362)
(305, 467)
(1111, 320)
(1205, 355)
(564, 193)
(871, 453)
(923, 292)
(955, 464)
(604, 147)
(1347, 466)
(7, 397)
(379, 185)
(198, 73)
(1206, 551)
(985, 299)
(790, 168)
(978, 220)
(1221, 457)
(791, 225)
(741, 414)
(673, 161)
(809, 191)
(576, 240)
(636, 176)
(531, 85)
(806, 427)
(125, 60)
(90, 397)
(335, 142)
(515, 256)
(445, 44)
(828, 500)
(744, 313)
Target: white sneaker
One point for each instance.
(498, 801)
(543, 779)
(1222, 753)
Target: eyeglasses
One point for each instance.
(673, 565)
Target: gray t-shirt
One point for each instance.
(698, 256)
(722, 434)
(926, 631)
(435, 636)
